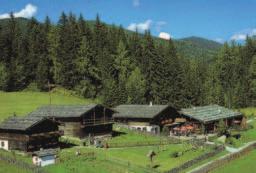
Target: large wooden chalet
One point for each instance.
(205, 119)
(150, 118)
(79, 121)
(28, 133)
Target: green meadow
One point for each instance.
(245, 164)
(21, 103)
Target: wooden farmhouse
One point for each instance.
(28, 133)
(79, 121)
(205, 119)
(150, 118)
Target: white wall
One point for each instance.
(43, 161)
(5, 143)
(147, 128)
(47, 160)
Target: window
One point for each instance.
(2, 144)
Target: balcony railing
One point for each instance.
(90, 122)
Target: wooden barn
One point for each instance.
(150, 118)
(28, 133)
(79, 121)
(205, 119)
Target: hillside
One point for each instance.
(190, 47)
(22, 103)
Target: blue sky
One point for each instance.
(220, 20)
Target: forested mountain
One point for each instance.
(119, 66)
(190, 47)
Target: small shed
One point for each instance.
(44, 157)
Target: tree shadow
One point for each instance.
(64, 145)
(117, 133)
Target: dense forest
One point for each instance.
(102, 61)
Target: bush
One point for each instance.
(165, 131)
(32, 87)
(232, 141)
(176, 154)
(222, 128)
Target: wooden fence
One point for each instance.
(196, 160)
(131, 167)
(225, 159)
(141, 143)
(21, 164)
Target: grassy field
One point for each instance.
(115, 160)
(249, 112)
(6, 168)
(126, 135)
(134, 159)
(22, 103)
(245, 164)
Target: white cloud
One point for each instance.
(220, 40)
(136, 3)
(164, 35)
(241, 36)
(159, 25)
(27, 12)
(238, 37)
(140, 26)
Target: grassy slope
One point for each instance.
(24, 102)
(134, 156)
(245, 164)
(163, 158)
(249, 112)
(6, 168)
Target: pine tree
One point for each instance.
(227, 73)
(45, 64)
(174, 76)
(149, 65)
(11, 43)
(87, 72)
(122, 64)
(3, 77)
(252, 80)
(68, 46)
(135, 87)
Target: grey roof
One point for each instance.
(20, 123)
(209, 113)
(62, 111)
(45, 152)
(138, 111)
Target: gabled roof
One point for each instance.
(45, 152)
(20, 123)
(138, 111)
(209, 113)
(63, 111)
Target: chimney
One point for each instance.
(150, 103)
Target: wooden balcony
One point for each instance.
(93, 122)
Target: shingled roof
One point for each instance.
(62, 111)
(209, 113)
(138, 111)
(20, 123)
(46, 152)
